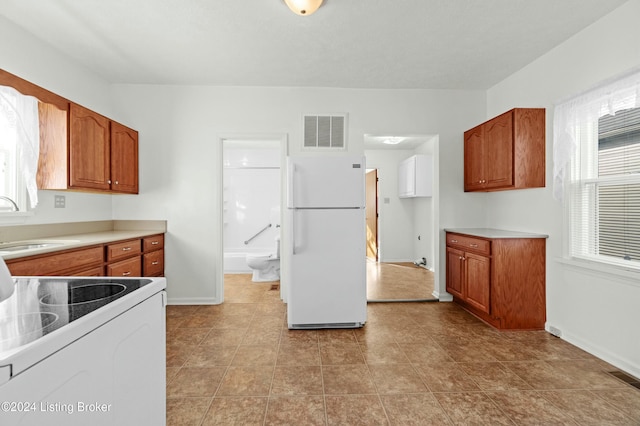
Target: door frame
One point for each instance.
(283, 138)
(377, 215)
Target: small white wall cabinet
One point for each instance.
(415, 177)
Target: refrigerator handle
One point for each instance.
(291, 176)
(293, 231)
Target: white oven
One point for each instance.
(83, 351)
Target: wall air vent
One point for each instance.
(325, 131)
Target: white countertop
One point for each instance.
(494, 233)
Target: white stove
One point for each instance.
(83, 351)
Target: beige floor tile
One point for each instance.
(246, 381)
(398, 281)
(396, 378)
(383, 353)
(195, 381)
(347, 379)
(186, 411)
(341, 353)
(298, 410)
(472, 408)
(530, 408)
(626, 399)
(211, 356)
(177, 354)
(236, 411)
(297, 380)
(414, 409)
(446, 377)
(299, 354)
(493, 376)
(424, 353)
(224, 337)
(415, 363)
(255, 355)
(355, 410)
(586, 408)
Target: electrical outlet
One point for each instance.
(60, 201)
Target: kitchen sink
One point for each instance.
(29, 246)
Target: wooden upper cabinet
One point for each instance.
(89, 149)
(124, 159)
(80, 149)
(506, 152)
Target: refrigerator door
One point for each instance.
(316, 182)
(328, 271)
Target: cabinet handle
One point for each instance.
(116, 182)
(155, 263)
(473, 245)
(124, 274)
(155, 243)
(454, 241)
(109, 181)
(126, 248)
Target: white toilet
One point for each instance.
(266, 267)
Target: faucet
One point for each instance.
(15, 206)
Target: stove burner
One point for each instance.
(17, 330)
(85, 294)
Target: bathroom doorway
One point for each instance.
(406, 255)
(252, 187)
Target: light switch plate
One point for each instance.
(60, 201)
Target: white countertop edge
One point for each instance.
(68, 242)
(494, 233)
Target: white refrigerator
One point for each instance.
(325, 203)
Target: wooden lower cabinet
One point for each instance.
(134, 258)
(69, 262)
(500, 280)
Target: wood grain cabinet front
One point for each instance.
(506, 152)
(500, 280)
(136, 257)
(68, 262)
(125, 268)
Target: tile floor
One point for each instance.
(412, 364)
(398, 282)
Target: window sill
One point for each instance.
(15, 218)
(627, 274)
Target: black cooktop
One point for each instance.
(39, 306)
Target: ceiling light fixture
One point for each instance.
(303, 7)
(393, 140)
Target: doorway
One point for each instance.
(251, 212)
(402, 233)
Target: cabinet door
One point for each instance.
(406, 178)
(455, 272)
(473, 159)
(498, 151)
(124, 159)
(478, 274)
(89, 149)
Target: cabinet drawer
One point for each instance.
(154, 242)
(126, 268)
(123, 250)
(467, 243)
(153, 263)
(65, 263)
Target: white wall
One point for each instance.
(180, 160)
(596, 311)
(396, 217)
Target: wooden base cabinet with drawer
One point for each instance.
(499, 280)
(130, 258)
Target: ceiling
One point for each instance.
(395, 44)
